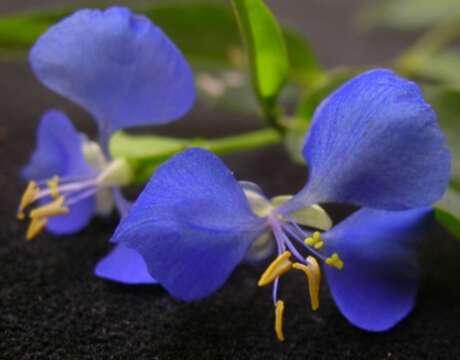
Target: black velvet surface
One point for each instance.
(52, 307)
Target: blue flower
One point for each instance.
(373, 143)
(59, 155)
(123, 70)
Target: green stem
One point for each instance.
(249, 141)
(430, 43)
(144, 153)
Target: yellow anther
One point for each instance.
(335, 261)
(36, 226)
(54, 208)
(315, 240)
(53, 185)
(278, 267)
(319, 245)
(279, 314)
(28, 197)
(313, 273)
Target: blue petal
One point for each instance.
(59, 152)
(192, 224)
(376, 143)
(79, 216)
(117, 65)
(124, 265)
(378, 284)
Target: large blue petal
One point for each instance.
(376, 143)
(117, 65)
(124, 265)
(378, 284)
(59, 152)
(192, 224)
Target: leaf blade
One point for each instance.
(266, 49)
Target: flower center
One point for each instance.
(56, 196)
(288, 237)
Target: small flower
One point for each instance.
(73, 179)
(124, 71)
(373, 143)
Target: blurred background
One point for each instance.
(332, 26)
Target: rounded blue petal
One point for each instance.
(378, 284)
(117, 65)
(79, 216)
(59, 152)
(124, 265)
(192, 224)
(376, 143)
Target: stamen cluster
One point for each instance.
(283, 232)
(55, 198)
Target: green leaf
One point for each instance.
(305, 69)
(405, 14)
(447, 212)
(266, 51)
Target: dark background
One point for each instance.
(52, 307)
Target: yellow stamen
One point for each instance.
(335, 261)
(313, 273)
(319, 245)
(53, 185)
(278, 267)
(36, 227)
(27, 198)
(52, 209)
(279, 313)
(315, 240)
